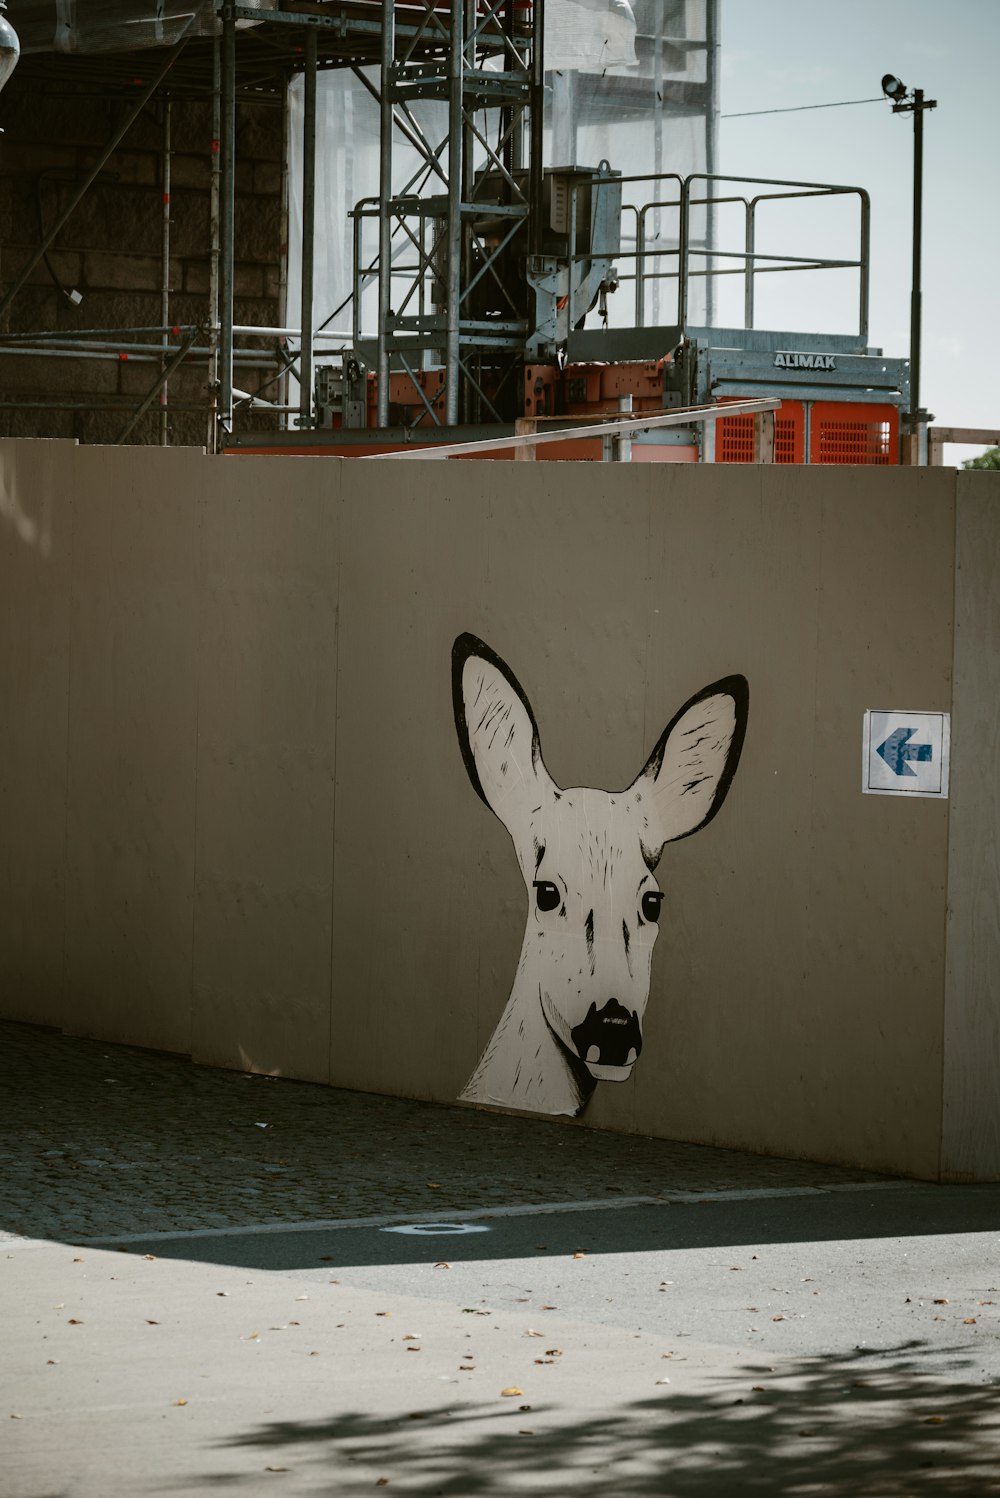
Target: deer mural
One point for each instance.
(574, 1016)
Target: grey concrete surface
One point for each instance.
(721, 1325)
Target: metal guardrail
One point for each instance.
(747, 262)
(615, 428)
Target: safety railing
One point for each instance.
(693, 257)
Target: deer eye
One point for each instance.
(546, 894)
(651, 902)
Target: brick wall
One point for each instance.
(110, 251)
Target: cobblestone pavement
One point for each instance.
(98, 1140)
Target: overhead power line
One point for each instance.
(797, 108)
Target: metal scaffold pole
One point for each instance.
(456, 135)
(308, 232)
(385, 214)
(227, 219)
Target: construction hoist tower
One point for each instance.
(442, 254)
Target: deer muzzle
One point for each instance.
(608, 1040)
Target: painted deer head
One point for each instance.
(588, 858)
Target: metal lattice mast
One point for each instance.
(439, 251)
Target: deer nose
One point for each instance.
(609, 1036)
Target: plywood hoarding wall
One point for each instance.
(237, 823)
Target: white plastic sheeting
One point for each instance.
(88, 26)
(590, 36)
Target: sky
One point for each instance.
(781, 53)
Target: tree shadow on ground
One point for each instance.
(868, 1424)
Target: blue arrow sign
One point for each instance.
(897, 749)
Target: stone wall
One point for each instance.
(110, 252)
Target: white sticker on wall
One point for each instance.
(905, 754)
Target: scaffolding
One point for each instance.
(443, 243)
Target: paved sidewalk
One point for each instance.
(98, 1140)
(820, 1341)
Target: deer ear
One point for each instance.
(497, 731)
(689, 772)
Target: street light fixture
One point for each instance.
(10, 49)
(906, 102)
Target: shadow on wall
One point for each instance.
(32, 531)
(869, 1424)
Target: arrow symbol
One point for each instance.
(897, 749)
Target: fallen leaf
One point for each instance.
(511, 1393)
(180, 1401)
(969, 1321)
(275, 1469)
(73, 1322)
(149, 1256)
(757, 1388)
(301, 1297)
(553, 1352)
(544, 1360)
(579, 1256)
(779, 1318)
(52, 1362)
(414, 1349)
(941, 1300)
(442, 1265)
(663, 1380)
(411, 1336)
(433, 1185)
(532, 1333)
(381, 1482)
(526, 1432)
(524, 1408)
(222, 1292)
(314, 1354)
(77, 1261)
(151, 1322)
(987, 1302)
(383, 1313)
(17, 1417)
(934, 1420)
(550, 1308)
